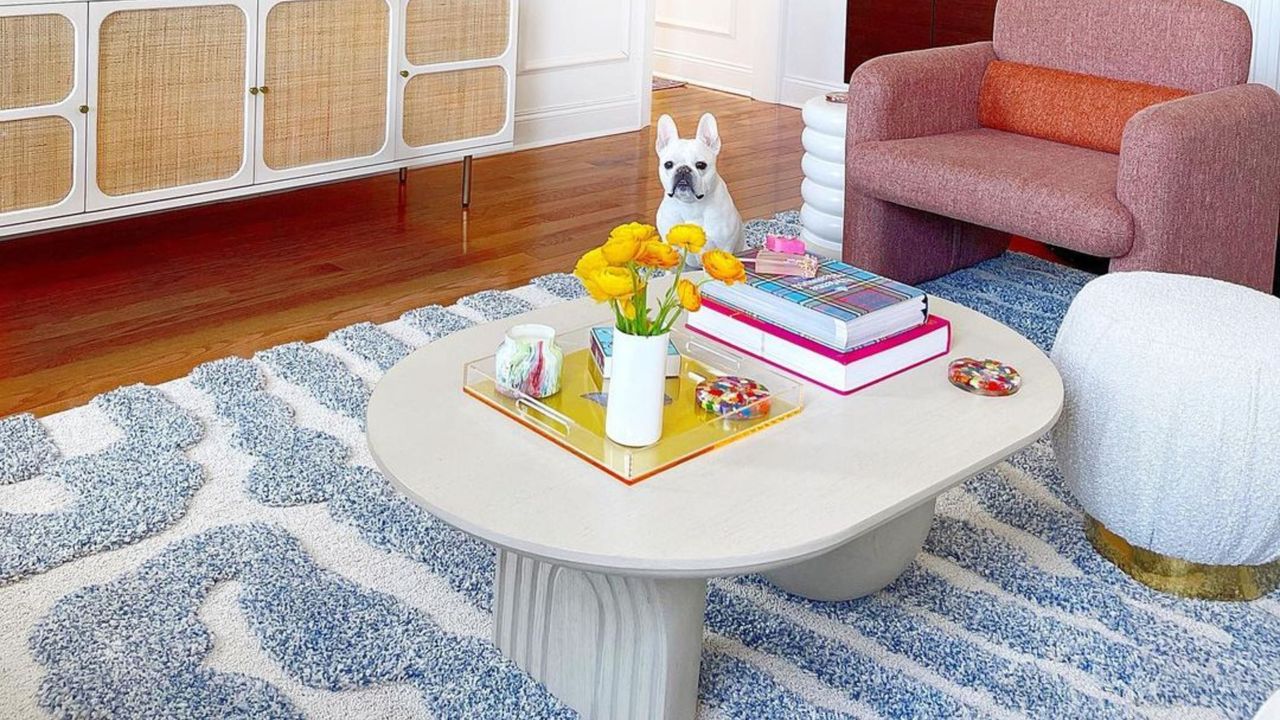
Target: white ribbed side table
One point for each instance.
(822, 215)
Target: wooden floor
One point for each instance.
(147, 299)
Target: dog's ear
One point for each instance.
(709, 132)
(667, 132)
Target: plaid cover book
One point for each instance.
(839, 291)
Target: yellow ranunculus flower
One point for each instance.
(593, 289)
(589, 263)
(657, 254)
(690, 296)
(615, 283)
(688, 236)
(628, 309)
(723, 266)
(625, 241)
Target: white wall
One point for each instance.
(1265, 15)
(812, 50)
(583, 69)
(728, 45)
(783, 51)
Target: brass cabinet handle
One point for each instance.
(84, 109)
(263, 89)
(253, 91)
(404, 73)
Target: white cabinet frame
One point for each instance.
(68, 108)
(385, 153)
(98, 12)
(506, 60)
(88, 203)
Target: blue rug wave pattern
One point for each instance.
(1007, 613)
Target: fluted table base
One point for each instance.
(609, 646)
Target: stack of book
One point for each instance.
(844, 329)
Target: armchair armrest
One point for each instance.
(913, 94)
(1201, 176)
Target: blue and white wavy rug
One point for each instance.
(220, 546)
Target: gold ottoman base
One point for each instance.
(1183, 577)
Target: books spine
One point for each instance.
(809, 374)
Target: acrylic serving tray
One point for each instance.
(574, 417)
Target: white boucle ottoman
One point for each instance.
(1170, 435)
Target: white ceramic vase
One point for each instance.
(633, 416)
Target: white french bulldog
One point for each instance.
(695, 192)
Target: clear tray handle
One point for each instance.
(727, 359)
(541, 415)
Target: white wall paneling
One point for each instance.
(729, 45)
(583, 69)
(812, 50)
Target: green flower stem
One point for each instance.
(671, 302)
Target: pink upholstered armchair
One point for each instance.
(949, 154)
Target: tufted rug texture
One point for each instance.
(221, 546)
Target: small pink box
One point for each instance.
(789, 244)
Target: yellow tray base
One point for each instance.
(574, 418)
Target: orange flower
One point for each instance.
(657, 254)
(690, 296)
(723, 266)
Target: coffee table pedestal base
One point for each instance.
(609, 646)
(863, 565)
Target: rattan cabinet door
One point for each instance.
(170, 112)
(326, 74)
(42, 89)
(457, 76)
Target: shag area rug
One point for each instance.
(221, 546)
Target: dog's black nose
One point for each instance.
(684, 170)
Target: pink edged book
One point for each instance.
(841, 372)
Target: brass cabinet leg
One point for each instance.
(466, 181)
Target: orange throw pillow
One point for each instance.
(1072, 108)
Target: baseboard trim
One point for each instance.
(577, 121)
(704, 72)
(796, 91)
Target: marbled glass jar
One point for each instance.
(529, 361)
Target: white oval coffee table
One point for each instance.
(601, 587)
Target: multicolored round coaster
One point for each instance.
(984, 377)
(732, 397)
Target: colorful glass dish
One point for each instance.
(734, 398)
(984, 377)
